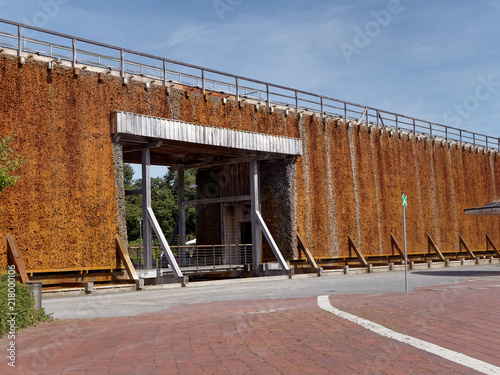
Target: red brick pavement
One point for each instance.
(286, 336)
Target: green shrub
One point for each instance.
(21, 302)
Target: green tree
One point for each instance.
(9, 163)
(163, 201)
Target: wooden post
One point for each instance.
(16, 259)
(255, 203)
(182, 216)
(146, 203)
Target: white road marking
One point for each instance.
(450, 355)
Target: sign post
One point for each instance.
(405, 203)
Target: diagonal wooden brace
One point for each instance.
(462, 243)
(395, 244)
(307, 253)
(356, 250)
(431, 243)
(125, 258)
(16, 259)
(489, 241)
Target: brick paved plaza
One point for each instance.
(284, 336)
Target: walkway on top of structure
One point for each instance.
(82, 52)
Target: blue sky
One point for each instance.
(435, 60)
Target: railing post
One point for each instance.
(297, 101)
(74, 53)
(446, 133)
(397, 123)
(322, 108)
(122, 63)
(345, 111)
(19, 40)
(164, 73)
(474, 139)
(203, 81)
(414, 128)
(460, 131)
(430, 129)
(268, 95)
(486, 142)
(237, 89)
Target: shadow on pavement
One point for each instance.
(461, 273)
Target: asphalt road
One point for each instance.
(133, 303)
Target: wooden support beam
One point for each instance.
(306, 252)
(395, 244)
(489, 241)
(125, 258)
(238, 198)
(462, 243)
(356, 250)
(432, 244)
(16, 259)
(133, 192)
(134, 148)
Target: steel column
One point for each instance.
(255, 205)
(146, 203)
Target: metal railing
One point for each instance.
(198, 258)
(82, 51)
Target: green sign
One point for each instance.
(405, 200)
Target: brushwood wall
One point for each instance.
(68, 207)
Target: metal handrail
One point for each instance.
(292, 98)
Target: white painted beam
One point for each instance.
(270, 240)
(163, 242)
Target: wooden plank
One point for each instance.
(490, 241)
(395, 244)
(123, 253)
(431, 243)
(76, 269)
(16, 259)
(462, 243)
(306, 252)
(358, 253)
